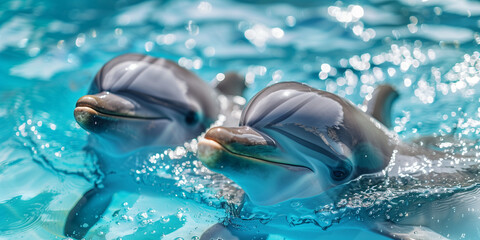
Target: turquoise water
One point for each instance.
(51, 50)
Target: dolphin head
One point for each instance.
(137, 101)
(293, 141)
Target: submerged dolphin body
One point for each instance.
(297, 142)
(137, 103)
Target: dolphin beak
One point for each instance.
(223, 144)
(107, 103)
(93, 111)
(242, 141)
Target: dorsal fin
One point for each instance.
(233, 84)
(380, 105)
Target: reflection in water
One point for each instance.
(19, 215)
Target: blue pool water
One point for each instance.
(50, 51)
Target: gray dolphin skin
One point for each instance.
(297, 142)
(138, 103)
(291, 133)
(150, 101)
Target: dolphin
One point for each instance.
(297, 142)
(136, 105)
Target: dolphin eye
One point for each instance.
(191, 118)
(339, 174)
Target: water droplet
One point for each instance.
(192, 28)
(190, 43)
(277, 33)
(142, 215)
(165, 219)
(149, 46)
(205, 7)
(291, 21)
(80, 40)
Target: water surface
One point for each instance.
(50, 51)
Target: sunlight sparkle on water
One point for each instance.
(426, 49)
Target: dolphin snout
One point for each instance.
(108, 103)
(91, 100)
(244, 140)
(245, 136)
(233, 148)
(95, 112)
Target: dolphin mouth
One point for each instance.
(209, 150)
(240, 143)
(115, 107)
(97, 112)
